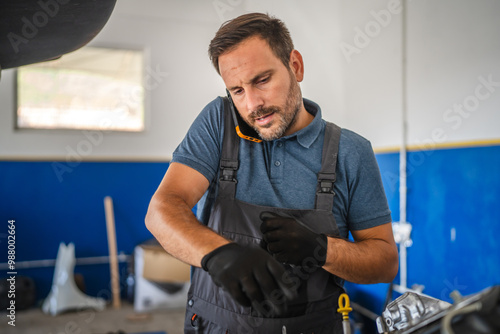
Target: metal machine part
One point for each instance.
(65, 295)
(408, 311)
(419, 314)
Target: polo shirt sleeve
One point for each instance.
(201, 147)
(368, 205)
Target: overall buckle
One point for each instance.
(228, 170)
(326, 182)
(228, 174)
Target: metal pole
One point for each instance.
(403, 152)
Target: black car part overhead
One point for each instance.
(32, 31)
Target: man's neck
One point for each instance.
(303, 119)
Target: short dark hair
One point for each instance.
(233, 32)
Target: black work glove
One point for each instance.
(252, 277)
(292, 242)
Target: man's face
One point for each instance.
(265, 92)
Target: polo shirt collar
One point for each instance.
(310, 133)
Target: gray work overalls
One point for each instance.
(210, 309)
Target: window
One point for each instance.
(91, 88)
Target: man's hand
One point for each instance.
(292, 242)
(252, 277)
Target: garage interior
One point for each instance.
(419, 79)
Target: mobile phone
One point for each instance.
(242, 128)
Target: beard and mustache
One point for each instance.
(285, 117)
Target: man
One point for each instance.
(269, 247)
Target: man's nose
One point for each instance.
(254, 100)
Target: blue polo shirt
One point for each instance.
(283, 172)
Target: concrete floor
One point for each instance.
(34, 321)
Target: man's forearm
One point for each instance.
(364, 262)
(174, 225)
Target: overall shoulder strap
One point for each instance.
(229, 157)
(327, 174)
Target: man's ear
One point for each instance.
(297, 65)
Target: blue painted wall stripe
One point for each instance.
(453, 197)
(49, 211)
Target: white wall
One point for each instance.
(451, 43)
(371, 64)
(176, 34)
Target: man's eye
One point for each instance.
(237, 91)
(264, 80)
